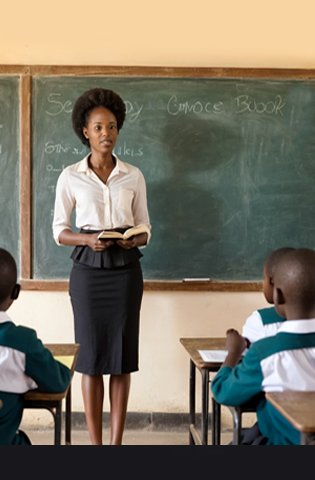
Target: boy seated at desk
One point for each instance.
(281, 362)
(264, 322)
(25, 363)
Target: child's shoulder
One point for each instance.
(20, 337)
(269, 315)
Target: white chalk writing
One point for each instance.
(128, 151)
(57, 148)
(51, 168)
(58, 105)
(246, 103)
(239, 104)
(133, 110)
(174, 107)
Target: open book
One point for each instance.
(130, 232)
(213, 355)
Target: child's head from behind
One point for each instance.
(9, 289)
(269, 269)
(294, 284)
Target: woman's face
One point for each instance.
(101, 130)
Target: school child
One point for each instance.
(25, 363)
(264, 322)
(280, 362)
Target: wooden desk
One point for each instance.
(53, 401)
(299, 409)
(192, 345)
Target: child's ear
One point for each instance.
(16, 291)
(278, 296)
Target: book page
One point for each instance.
(110, 234)
(213, 355)
(135, 231)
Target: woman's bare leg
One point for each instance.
(119, 387)
(93, 397)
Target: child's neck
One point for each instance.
(300, 314)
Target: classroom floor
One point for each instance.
(131, 437)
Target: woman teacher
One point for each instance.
(106, 283)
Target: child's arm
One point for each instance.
(237, 382)
(235, 344)
(49, 374)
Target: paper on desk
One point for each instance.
(67, 360)
(213, 355)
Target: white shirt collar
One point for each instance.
(83, 165)
(4, 317)
(298, 326)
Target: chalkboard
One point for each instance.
(229, 165)
(9, 166)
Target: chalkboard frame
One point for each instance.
(28, 72)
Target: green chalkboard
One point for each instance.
(229, 165)
(9, 166)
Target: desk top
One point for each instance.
(65, 350)
(58, 350)
(192, 345)
(297, 407)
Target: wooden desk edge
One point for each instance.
(66, 349)
(205, 343)
(298, 424)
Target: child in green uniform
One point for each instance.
(25, 363)
(280, 362)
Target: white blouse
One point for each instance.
(120, 203)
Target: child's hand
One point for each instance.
(235, 342)
(235, 345)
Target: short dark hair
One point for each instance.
(93, 98)
(8, 274)
(295, 276)
(274, 257)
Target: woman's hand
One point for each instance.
(96, 244)
(133, 242)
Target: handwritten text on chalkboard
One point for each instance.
(228, 165)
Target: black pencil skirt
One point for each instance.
(106, 306)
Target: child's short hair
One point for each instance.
(295, 276)
(275, 257)
(8, 274)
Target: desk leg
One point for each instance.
(307, 438)
(216, 423)
(68, 417)
(192, 400)
(58, 420)
(205, 406)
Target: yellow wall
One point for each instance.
(242, 33)
(272, 33)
